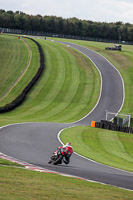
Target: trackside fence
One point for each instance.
(47, 34)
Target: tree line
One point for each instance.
(71, 26)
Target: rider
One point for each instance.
(67, 148)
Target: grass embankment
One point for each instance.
(67, 90)
(107, 147)
(13, 59)
(24, 184)
(15, 84)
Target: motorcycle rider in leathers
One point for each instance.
(69, 149)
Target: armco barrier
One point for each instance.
(20, 98)
(111, 126)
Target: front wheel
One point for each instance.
(58, 160)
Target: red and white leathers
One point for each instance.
(67, 148)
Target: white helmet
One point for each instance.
(68, 144)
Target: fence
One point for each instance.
(46, 34)
(118, 120)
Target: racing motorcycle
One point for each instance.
(58, 156)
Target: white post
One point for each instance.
(129, 120)
(106, 115)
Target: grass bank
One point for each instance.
(66, 91)
(17, 75)
(13, 59)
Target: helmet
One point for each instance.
(68, 143)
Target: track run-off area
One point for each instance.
(34, 142)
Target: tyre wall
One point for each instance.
(111, 126)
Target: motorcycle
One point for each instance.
(58, 156)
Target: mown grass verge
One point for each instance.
(24, 184)
(107, 147)
(9, 163)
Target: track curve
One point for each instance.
(32, 142)
(112, 86)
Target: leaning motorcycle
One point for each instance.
(58, 156)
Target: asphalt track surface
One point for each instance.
(35, 142)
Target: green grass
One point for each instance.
(107, 147)
(23, 184)
(66, 91)
(9, 163)
(27, 76)
(13, 59)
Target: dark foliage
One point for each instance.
(72, 26)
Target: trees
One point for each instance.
(70, 26)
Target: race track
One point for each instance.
(35, 142)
